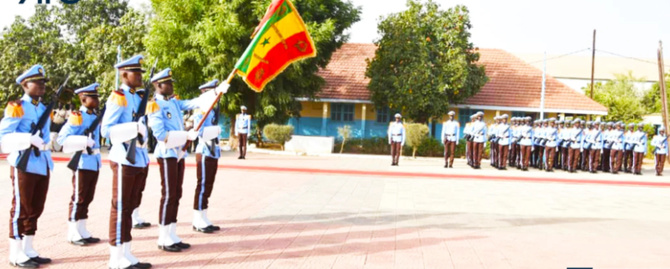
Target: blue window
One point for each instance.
(464, 115)
(518, 114)
(342, 112)
(383, 115)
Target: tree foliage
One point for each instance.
(651, 101)
(77, 40)
(425, 61)
(621, 97)
(203, 39)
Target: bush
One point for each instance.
(278, 133)
(345, 134)
(429, 147)
(415, 133)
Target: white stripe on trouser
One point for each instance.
(17, 205)
(634, 162)
(76, 195)
(202, 182)
(119, 204)
(655, 163)
(167, 191)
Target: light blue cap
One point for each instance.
(132, 64)
(36, 72)
(162, 76)
(211, 84)
(93, 88)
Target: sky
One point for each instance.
(624, 27)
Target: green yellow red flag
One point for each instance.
(279, 40)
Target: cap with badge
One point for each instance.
(209, 85)
(163, 76)
(397, 115)
(133, 64)
(90, 90)
(36, 72)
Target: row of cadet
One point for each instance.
(555, 144)
(24, 134)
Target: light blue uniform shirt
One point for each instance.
(641, 139)
(526, 133)
(597, 139)
(505, 134)
(450, 131)
(243, 124)
(617, 137)
(396, 132)
(169, 118)
(551, 134)
(116, 114)
(203, 148)
(607, 136)
(627, 137)
(577, 135)
(661, 144)
(87, 162)
(31, 114)
(479, 132)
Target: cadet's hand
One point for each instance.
(37, 141)
(192, 135)
(222, 88)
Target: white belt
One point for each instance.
(161, 146)
(396, 134)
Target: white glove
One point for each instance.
(37, 141)
(141, 129)
(192, 135)
(222, 88)
(90, 142)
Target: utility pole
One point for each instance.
(593, 64)
(544, 86)
(661, 82)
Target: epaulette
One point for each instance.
(118, 98)
(75, 118)
(176, 97)
(152, 107)
(14, 109)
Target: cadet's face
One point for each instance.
(89, 102)
(132, 78)
(35, 88)
(165, 88)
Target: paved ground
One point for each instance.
(302, 213)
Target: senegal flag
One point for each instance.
(279, 40)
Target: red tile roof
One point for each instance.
(512, 82)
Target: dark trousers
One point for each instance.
(549, 153)
(594, 158)
(660, 163)
(494, 154)
(606, 160)
(141, 184)
(616, 160)
(468, 152)
(517, 155)
(172, 178)
(573, 156)
(628, 160)
(243, 144)
(83, 191)
(395, 152)
(503, 151)
(512, 155)
(539, 153)
(638, 157)
(477, 150)
(584, 162)
(558, 157)
(206, 173)
(565, 158)
(28, 197)
(526, 152)
(449, 152)
(125, 184)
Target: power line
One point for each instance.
(560, 56)
(629, 57)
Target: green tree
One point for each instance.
(203, 39)
(622, 99)
(425, 61)
(651, 100)
(79, 40)
(416, 133)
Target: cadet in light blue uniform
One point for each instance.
(166, 121)
(396, 135)
(207, 159)
(479, 141)
(640, 149)
(551, 135)
(128, 178)
(596, 141)
(576, 146)
(660, 144)
(504, 142)
(85, 178)
(526, 143)
(29, 186)
(450, 135)
(242, 130)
